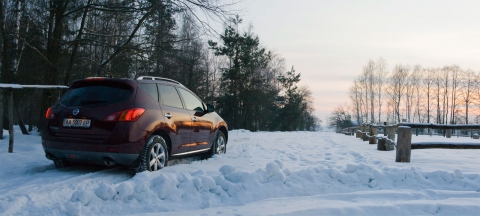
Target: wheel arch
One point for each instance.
(167, 139)
(225, 132)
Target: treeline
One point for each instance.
(447, 95)
(55, 42)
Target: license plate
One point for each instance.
(82, 123)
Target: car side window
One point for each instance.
(191, 101)
(150, 89)
(169, 96)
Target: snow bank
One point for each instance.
(190, 191)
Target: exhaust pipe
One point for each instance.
(109, 162)
(50, 156)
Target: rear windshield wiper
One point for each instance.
(87, 102)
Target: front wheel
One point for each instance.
(154, 155)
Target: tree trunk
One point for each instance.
(21, 124)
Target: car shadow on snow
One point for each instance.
(84, 168)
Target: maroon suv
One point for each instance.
(139, 123)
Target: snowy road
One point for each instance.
(265, 173)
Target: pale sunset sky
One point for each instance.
(329, 42)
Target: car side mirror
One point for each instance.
(210, 108)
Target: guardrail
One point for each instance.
(404, 143)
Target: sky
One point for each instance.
(329, 42)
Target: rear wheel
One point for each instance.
(154, 155)
(219, 144)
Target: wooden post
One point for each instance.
(362, 131)
(391, 132)
(373, 132)
(365, 136)
(1, 113)
(448, 133)
(385, 128)
(404, 144)
(10, 123)
(381, 144)
(389, 145)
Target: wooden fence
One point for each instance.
(10, 99)
(404, 145)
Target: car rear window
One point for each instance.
(95, 95)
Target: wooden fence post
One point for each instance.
(391, 132)
(385, 128)
(448, 133)
(372, 133)
(381, 144)
(362, 131)
(365, 134)
(10, 122)
(404, 144)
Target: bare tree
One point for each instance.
(409, 93)
(455, 81)
(437, 91)
(428, 86)
(356, 98)
(370, 70)
(381, 74)
(416, 78)
(467, 87)
(340, 118)
(397, 88)
(445, 85)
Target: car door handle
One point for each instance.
(168, 115)
(194, 119)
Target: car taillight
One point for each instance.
(129, 115)
(49, 114)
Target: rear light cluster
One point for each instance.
(129, 115)
(49, 114)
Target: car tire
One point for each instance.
(219, 144)
(154, 155)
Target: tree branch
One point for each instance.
(122, 47)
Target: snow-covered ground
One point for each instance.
(263, 173)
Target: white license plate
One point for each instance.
(70, 122)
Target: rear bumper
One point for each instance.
(125, 154)
(92, 157)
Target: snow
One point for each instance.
(18, 86)
(263, 173)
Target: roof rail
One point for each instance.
(157, 78)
